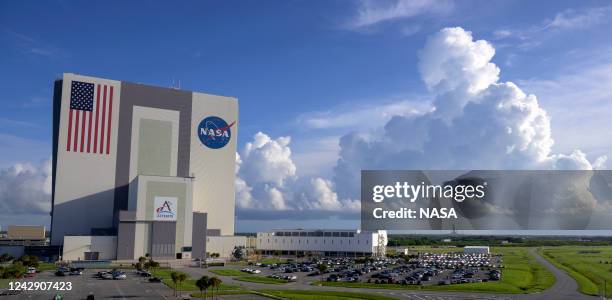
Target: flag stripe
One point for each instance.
(103, 120)
(76, 132)
(110, 114)
(83, 130)
(69, 130)
(96, 126)
(89, 133)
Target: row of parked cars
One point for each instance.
(251, 271)
(456, 260)
(63, 271)
(283, 277)
(113, 274)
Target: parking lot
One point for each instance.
(421, 269)
(133, 286)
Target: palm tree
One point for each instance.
(181, 277)
(175, 278)
(215, 283)
(203, 283)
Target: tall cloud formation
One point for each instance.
(267, 180)
(26, 189)
(478, 122)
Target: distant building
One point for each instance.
(446, 240)
(25, 232)
(20, 235)
(322, 242)
(476, 249)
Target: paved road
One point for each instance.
(565, 287)
(134, 287)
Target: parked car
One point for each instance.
(155, 279)
(119, 275)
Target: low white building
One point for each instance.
(322, 242)
(476, 249)
(224, 245)
(87, 247)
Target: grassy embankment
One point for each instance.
(321, 295)
(227, 272)
(590, 266)
(241, 276)
(521, 274)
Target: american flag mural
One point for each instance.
(90, 118)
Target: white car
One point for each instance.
(255, 271)
(119, 276)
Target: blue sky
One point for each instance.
(311, 70)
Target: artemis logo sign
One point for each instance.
(165, 209)
(214, 132)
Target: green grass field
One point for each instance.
(228, 272)
(301, 295)
(189, 284)
(261, 279)
(322, 295)
(590, 266)
(522, 274)
(46, 267)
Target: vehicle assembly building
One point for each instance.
(322, 242)
(139, 169)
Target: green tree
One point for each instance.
(181, 277)
(322, 268)
(203, 283)
(215, 283)
(29, 261)
(238, 252)
(175, 278)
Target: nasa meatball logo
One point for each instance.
(214, 132)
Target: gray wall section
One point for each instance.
(154, 147)
(57, 101)
(163, 236)
(198, 237)
(125, 240)
(126, 235)
(133, 94)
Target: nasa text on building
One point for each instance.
(140, 169)
(322, 242)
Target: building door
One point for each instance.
(91, 255)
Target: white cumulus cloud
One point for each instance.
(478, 121)
(25, 188)
(267, 179)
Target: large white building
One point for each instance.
(322, 242)
(139, 169)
